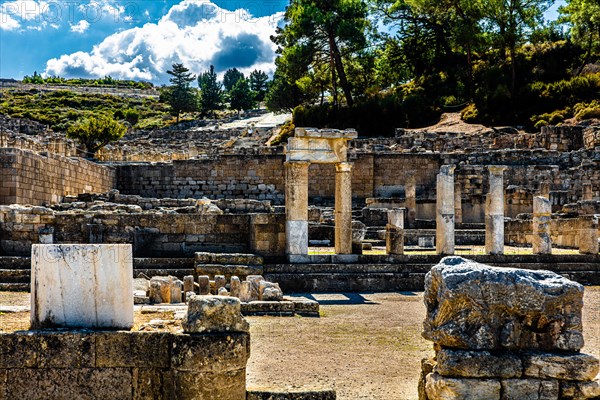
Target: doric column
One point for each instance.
(588, 194)
(494, 212)
(444, 226)
(410, 192)
(542, 214)
(394, 231)
(296, 207)
(457, 203)
(343, 208)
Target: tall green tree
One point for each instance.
(240, 96)
(583, 17)
(323, 32)
(258, 83)
(211, 92)
(180, 95)
(509, 23)
(96, 132)
(231, 77)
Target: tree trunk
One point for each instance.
(340, 69)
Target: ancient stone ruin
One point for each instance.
(502, 333)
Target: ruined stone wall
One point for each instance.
(151, 234)
(564, 232)
(30, 178)
(123, 365)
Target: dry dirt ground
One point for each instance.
(366, 346)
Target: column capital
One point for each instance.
(296, 163)
(496, 169)
(343, 167)
(447, 169)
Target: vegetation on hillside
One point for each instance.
(61, 109)
(498, 61)
(107, 81)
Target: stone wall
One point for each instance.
(564, 232)
(152, 234)
(123, 365)
(30, 178)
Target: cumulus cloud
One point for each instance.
(80, 27)
(194, 33)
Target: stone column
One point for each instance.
(410, 191)
(588, 194)
(296, 207)
(343, 208)
(457, 203)
(394, 232)
(545, 189)
(444, 226)
(542, 214)
(494, 212)
(588, 235)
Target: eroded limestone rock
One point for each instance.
(439, 387)
(211, 314)
(478, 307)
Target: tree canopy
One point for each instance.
(180, 95)
(211, 93)
(96, 132)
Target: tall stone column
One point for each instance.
(588, 194)
(588, 235)
(410, 191)
(394, 232)
(542, 214)
(494, 212)
(444, 226)
(457, 203)
(343, 208)
(296, 207)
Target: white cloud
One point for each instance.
(7, 22)
(80, 27)
(194, 33)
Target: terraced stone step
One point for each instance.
(15, 276)
(150, 272)
(8, 262)
(14, 287)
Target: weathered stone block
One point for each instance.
(578, 366)
(82, 286)
(210, 353)
(475, 306)
(439, 387)
(580, 390)
(61, 383)
(477, 364)
(530, 389)
(229, 385)
(210, 314)
(290, 394)
(132, 349)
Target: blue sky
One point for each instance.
(137, 39)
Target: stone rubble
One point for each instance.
(504, 333)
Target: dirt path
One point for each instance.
(368, 350)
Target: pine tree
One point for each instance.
(211, 94)
(180, 95)
(240, 96)
(258, 84)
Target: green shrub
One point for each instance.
(132, 116)
(470, 114)
(540, 123)
(285, 132)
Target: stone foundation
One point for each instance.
(503, 333)
(123, 365)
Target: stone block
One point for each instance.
(151, 384)
(228, 259)
(477, 364)
(580, 390)
(208, 386)
(123, 349)
(306, 307)
(87, 286)
(269, 291)
(214, 353)
(478, 307)
(235, 286)
(65, 349)
(438, 387)
(61, 383)
(246, 292)
(530, 389)
(188, 284)
(204, 285)
(212, 314)
(576, 366)
(220, 282)
(278, 308)
(290, 394)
